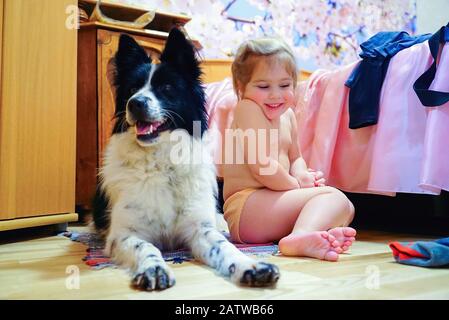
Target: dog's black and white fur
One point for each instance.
(145, 202)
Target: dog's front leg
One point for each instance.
(211, 247)
(149, 270)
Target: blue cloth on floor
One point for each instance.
(422, 253)
(365, 81)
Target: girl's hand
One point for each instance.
(306, 179)
(318, 176)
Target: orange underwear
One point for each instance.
(233, 208)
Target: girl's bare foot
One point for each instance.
(344, 235)
(315, 244)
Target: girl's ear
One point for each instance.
(240, 90)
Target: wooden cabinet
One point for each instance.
(37, 113)
(216, 69)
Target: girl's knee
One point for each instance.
(339, 196)
(351, 208)
(351, 213)
(328, 189)
(342, 200)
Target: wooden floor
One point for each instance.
(41, 267)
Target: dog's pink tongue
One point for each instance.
(142, 127)
(156, 125)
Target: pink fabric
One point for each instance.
(406, 152)
(409, 154)
(327, 144)
(435, 170)
(221, 101)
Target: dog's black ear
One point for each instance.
(131, 67)
(180, 53)
(129, 54)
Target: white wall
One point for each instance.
(431, 15)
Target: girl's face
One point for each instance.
(271, 87)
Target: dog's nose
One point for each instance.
(137, 103)
(138, 107)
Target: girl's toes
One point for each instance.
(349, 232)
(324, 235)
(331, 256)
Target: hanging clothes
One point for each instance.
(411, 153)
(435, 169)
(367, 78)
(432, 98)
(405, 152)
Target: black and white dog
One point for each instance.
(149, 198)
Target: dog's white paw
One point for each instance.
(154, 277)
(258, 274)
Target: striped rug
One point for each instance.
(98, 260)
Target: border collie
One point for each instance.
(149, 198)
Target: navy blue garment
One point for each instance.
(431, 98)
(365, 81)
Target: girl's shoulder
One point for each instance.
(247, 103)
(246, 107)
(248, 114)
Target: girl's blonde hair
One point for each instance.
(249, 54)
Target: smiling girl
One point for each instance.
(291, 205)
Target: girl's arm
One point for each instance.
(298, 167)
(281, 180)
(271, 174)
